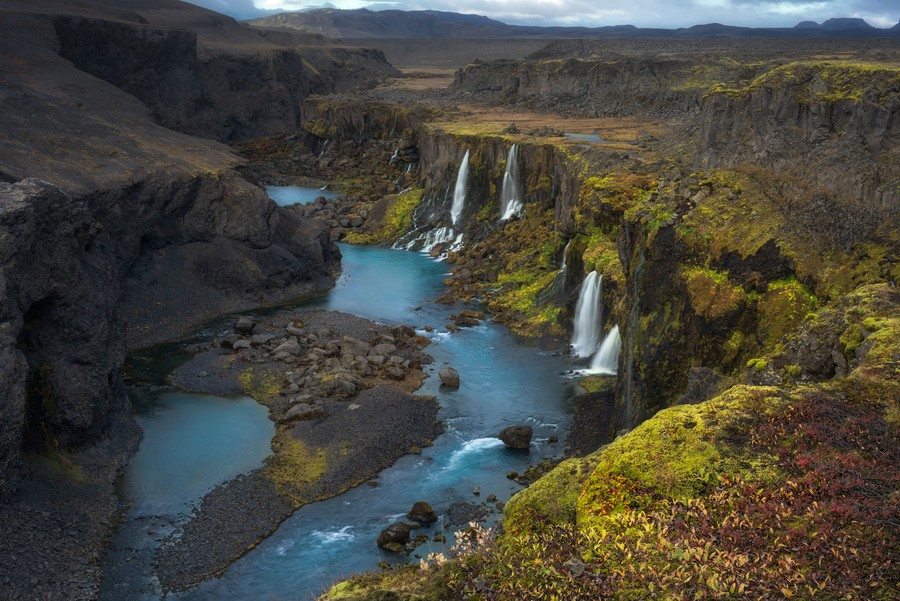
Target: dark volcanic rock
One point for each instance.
(449, 377)
(397, 532)
(516, 437)
(422, 512)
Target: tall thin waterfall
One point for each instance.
(606, 361)
(459, 193)
(510, 195)
(562, 263)
(588, 316)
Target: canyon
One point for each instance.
(737, 199)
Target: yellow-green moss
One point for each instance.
(683, 448)
(263, 385)
(398, 220)
(294, 465)
(782, 308)
(550, 500)
(711, 293)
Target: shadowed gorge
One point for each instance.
(624, 300)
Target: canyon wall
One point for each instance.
(117, 232)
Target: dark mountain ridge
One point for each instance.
(365, 23)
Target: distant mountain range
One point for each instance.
(365, 23)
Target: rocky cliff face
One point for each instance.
(806, 119)
(224, 92)
(115, 231)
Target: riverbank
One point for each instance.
(338, 388)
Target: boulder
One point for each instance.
(260, 339)
(422, 512)
(357, 348)
(403, 332)
(240, 345)
(244, 325)
(383, 348)
(466, 322)
(292, 347)
(449, 377)
(397, 533)
(516, 437)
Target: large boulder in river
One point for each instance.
(449, 377)
(394, 536)
(244, 325)
(422, 512)
(516, 437)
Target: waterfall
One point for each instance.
(459, 193)
(606, 361)
(588, 316)
(394, 156)
(562, 263)
(510, 196)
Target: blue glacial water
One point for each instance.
(504, 381)
(288, 195)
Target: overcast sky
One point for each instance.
(592, 13)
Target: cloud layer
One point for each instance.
(593, 13)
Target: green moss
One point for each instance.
(680, 450)
(782, 308)
(294, 465)
(550, 500)
(793, 371)
(711, 293)
(398, 220)
(263, 385)
(598, 384)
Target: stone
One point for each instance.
(295, 331)
(244, 325)
(466, 322)
(516, 437)
(228, 341)
(260, 339)
(422, 512)
(449, 377)
(403, 331)
(292, 347)
(397, 533)
(240, 345)
(357, 348)
(395, 373)
(298, 411)
(472, 314)
(576, 567)
(383, 349)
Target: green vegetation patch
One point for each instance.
(397, 220)
(263, 385)
(294, 465)
(782, 308)
(711, 293)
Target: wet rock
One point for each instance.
(244, 325)
(516, 437)
(576, 567)
(472, 314)
(466, 322)
(461, 513)
(449, 377)
(396, 534)
(422, 512)
(240, 345)
(228, 341)
(403, 331)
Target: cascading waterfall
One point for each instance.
(606, 361)
(459, 193)
(588, 316)
(562, 263)
(510, 195)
